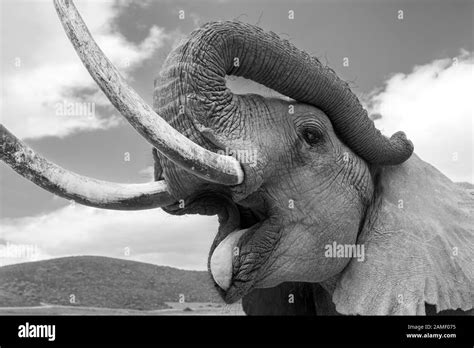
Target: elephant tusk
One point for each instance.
(81, 189)
(176, 147)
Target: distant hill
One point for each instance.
(101, 282)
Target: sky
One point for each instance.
(409, 61)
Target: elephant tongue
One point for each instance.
(221, 259)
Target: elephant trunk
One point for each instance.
(194, 75)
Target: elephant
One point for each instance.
(319, 212)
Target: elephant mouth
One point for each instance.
(242, 248)
(239, 254)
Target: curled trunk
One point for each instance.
(194, 77)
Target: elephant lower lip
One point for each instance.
(246, 264)
(238, 281)
(244, 267)
(223, 258)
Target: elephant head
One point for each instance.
(311, 197)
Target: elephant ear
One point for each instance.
(419, 246)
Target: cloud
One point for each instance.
(46, 90)
(434, 106)
(148, 236)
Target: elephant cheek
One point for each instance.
(313, 266)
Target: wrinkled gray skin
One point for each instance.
(316, 181)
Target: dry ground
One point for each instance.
(186, 308)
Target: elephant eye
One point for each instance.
(312, 136)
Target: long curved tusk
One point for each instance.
(201, 162)
(81, 189)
